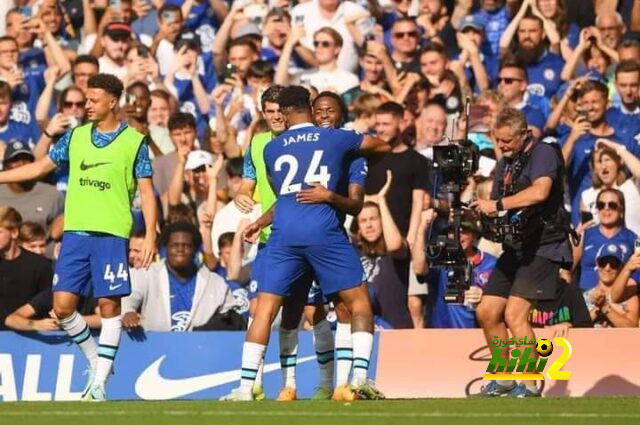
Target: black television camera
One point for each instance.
(455, 162)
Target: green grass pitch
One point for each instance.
(545, 411)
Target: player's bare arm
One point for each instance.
(150, 213)
(252, 231)
(32, 171)
(373, 145)
(244, 198)
(317, 194)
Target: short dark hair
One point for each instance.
(343, 108)
(531, 16)
(243, 41)
(168, 8)
(295, 98)
(392, 108)
(8, 38)
(5, 90)
(107, 82)
(271, 95)
(234, 167)
(435, 48)
(261, 69)
(86, 59)
(181, 226)
(139, 84)
(594, 85)
(225, 239)
(179, 120)
(515, 62)
(627, 66)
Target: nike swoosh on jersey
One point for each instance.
(85, 167)
(151, 385)
(114, 287)
(588, 247)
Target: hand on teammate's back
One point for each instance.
(316, 194)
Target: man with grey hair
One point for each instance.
(611, 27)
(527, 199)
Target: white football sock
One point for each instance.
(362, 346)
(79, 332)
(288, 355)
(252, 355)
(323, 343)
(108, 344)
(344, 353)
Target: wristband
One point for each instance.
(499, 205)
(47, 134)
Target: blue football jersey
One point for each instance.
(306, 154)
(593, 240)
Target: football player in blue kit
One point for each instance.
(309, 238)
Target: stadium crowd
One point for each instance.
(195, 72)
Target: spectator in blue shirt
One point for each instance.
(626, 116)
(497, 18)
(579, 145)
(543, 66)
(512, 85)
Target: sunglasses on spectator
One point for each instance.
(613, 205)
(611, 261)
(324, 44)
(68, 104)
(406, 34)
(508, 80)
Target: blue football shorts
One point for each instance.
(314, 296)
(336, 267)
(98, 260)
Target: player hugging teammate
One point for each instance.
(308, 240)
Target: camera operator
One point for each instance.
(528, 193)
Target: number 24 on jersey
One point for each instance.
(316, 173)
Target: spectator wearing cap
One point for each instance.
(580, 143)
(611, 230)
(544, 67)
(182, 130)
(480, 67)
(317, 14)
(603, 310)
(35, 201)
(116, 42)
(512, 85)
(23, 274)
(445, 315)
(10, 129)
(328, 76)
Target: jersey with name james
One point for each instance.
(305, 154)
